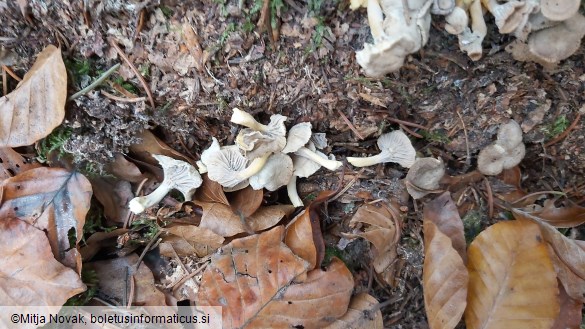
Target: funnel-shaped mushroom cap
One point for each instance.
(298, 136)
(494, 158)
(276, 173)
(559, 10)
(424, 176)
(508, 15)
(554, 44)
(456, 21)
(394, 147)
(270, 139)
(514, 156)
(509, 135)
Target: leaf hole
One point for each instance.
(15, 208)
(18, 187)
(289, 302)
(270, 271)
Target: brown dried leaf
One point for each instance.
(444, 278)
(570, 313)
(443, 213)
(512, 283)
(125, 169)
(99, 240)
(51, 199)
(188, 240)
(362, 313)
(256, 279)
(114, 196)
(210, 192)
(152, 145)
(573, 285)
(37, 105)
(266, 217)
(30, 274)
(246, 201)
(372, 99)
(567, 216)
(114, 276)
(299, 238)
(12, 163)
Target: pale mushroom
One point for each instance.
(559, 10)
(470, 39)
(442, 7)
(178, 175)
(509, 135)
(399, 28)
(506, 152)
(298, 136)
(303, 167)
(276, 173)
(456, 21)
(394, 147)
(424, 176)
(505, 14)
(228, 167)
(258, 139)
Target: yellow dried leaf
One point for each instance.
(363, 313)
(37, 105)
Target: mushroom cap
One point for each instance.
(509, 15)
(384, 57)
(257, 143)
(456, 21)
(514, 156)
(223, 163)
(443, 7)
(276, 173)
(424, 175)
(180, 175)
(490, 160)
(509, 135)
(319, 140)
(559, 10)
(399, 147)
(298, 136)
(305, 167)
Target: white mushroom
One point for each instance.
(456, 21)
(506, 152)
(276, 173)
(303, 167)
(424, 176)
(298, 136)
(394, 147)
(178, 175)
(258, 139)
(470, 39)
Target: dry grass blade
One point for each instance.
(37, 105)
(512, 283)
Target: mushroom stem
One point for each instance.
(327, 163)
(139, 204)
(367, 161)
(254, 167)
(291, 189)
(375, 18)
(245, 119)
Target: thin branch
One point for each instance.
(133, 68)
(96, 83)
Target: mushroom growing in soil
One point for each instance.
(258, 139)
(424, 176)
(303, 167)
(394, 147)
(559, 10)
(470, 39)
(227, 166)
(178, 175)
(276, 172)
(298, 136)
(506, 152)
(399, 28)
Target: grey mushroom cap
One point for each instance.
(559, 10)
(514, 156)
(257, 143)
(509, 135)
(394, 146)
(276, 173)
(182, 176)
(424, 176)
(298, 136)
(493, 159)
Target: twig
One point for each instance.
(490, 197)
(564, 133)
(4, 82)
(96, 83)
(350, 125)
(538, 193)
(150, 243)
(11, 73)
(410, 131)
(122, 99)
(139, 23)
(187, 277)
(468, 158)
(132, 288)
(133, 68)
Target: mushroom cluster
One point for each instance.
(265, 156)
(547, 31)
(506, 152)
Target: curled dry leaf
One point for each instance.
(570, 313)
(51, 199)
(125, 169)
(566, 216)
(96, 241)
(444, 279)
(363, 312)
(512, 283)
(189, 240)
(30, 274)
(573, 285)
(261, 283)
(152, 145)
(114, 276)
(444, 214)
(246, 201)
(12, 163)
(114, 195)
(37, 105)
(210, 192)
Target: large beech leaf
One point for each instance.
(51, 199)
(512, 283)
(261, 284)
(29, 273)
(443, 213)
(189, 240)
(570, 313)
(12, 163)
(37, 105)
(570, 215)
(444, 279)
(363, 312)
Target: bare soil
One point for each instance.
(308, 73)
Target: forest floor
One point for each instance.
(201, 59)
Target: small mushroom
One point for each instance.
(506, 152)
(394, 147)
(509, 135)
(276, 172)
(424, 176)
(470, 39)
(442, 7)
(228, 167)
(456, 21)
(298, 136)
(559, 10)
(303, 167)
(506, 14)
(178, 175)
(258, 139)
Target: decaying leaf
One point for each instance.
(444, 214)
(114, 277)
(565, 216)
(363, 312)
(152, 145)
(512, 283)
(114, 196)
(573, 285)
(210, 192)
(12, 163)
(125, 169)
(37, 105)
(246, 201)
(256, 280)
(188, 240)
(570, 313)
(51, 199)
(30, 274)
(98, 240)
(444, 278)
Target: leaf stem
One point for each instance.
(96, 83)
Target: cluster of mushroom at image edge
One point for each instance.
(545, 31)
(270, 157)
